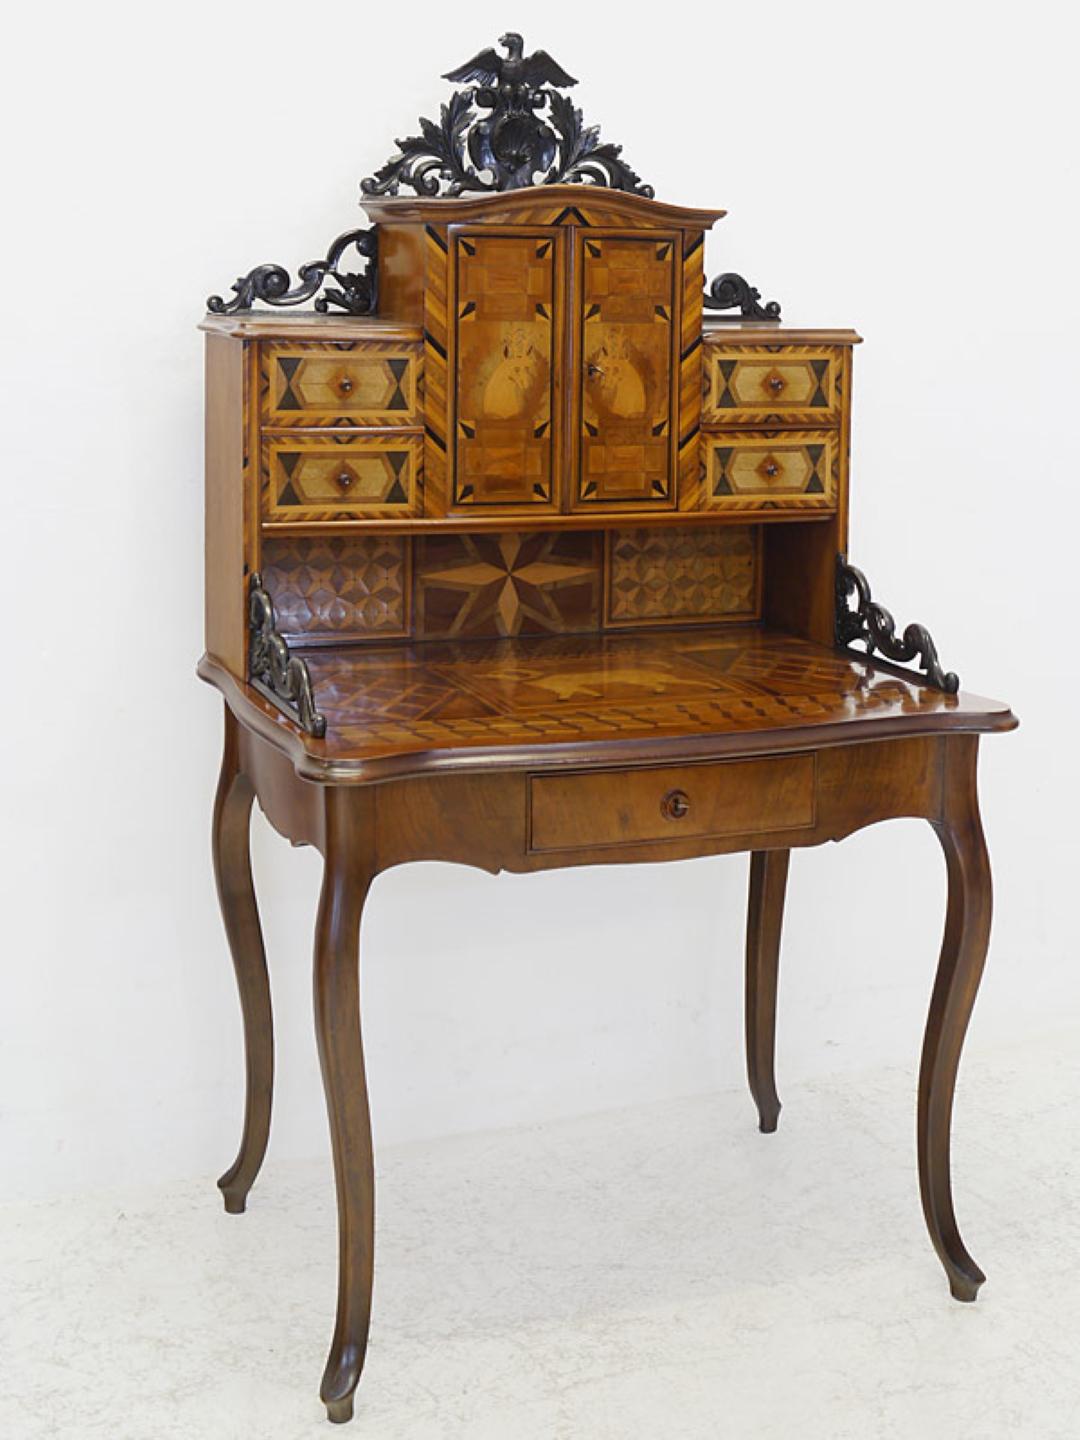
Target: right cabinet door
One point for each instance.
(624, 406)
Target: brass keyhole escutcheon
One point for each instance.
(675, 805)
(344, 480)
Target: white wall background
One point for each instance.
(906, 170)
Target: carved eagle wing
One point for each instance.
(485, 68)
(541, 69)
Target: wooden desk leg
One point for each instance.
(963, 953)
(347, 875)
(239, 909)
(765, 914)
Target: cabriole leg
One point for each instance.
(239, 909)
(765, 915)
(347, 875)
(963, 954)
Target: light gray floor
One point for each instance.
(663, 1273)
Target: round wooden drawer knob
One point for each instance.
(675, 805)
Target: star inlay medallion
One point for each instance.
(508, 583)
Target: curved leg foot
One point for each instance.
(239, 909)
(765, 914)
(348, 872)
(963, 954)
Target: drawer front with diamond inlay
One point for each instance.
(671, 802)
(772, 385)
(772, 470)
(341, 477)
(373, 383)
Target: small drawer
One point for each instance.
(363, 382)
(772, 385)
(335, 477)
(772, 470)
(671, 802)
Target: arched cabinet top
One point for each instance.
(540, 205)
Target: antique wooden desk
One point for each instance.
(513, 559)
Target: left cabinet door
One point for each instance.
(507, 313)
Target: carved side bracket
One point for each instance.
(732, 292)
(271, 283)
(282, 677)
(871, 623)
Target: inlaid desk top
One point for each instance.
(555, 700)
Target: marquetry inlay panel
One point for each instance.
(617, 685)
(505, 423)
(772, 385)
(369, 382)
(340, 587)
(778, 470)
(336, 477)
(628, 399)
(662, 575)
(508, 584)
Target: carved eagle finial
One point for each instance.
(491, 69)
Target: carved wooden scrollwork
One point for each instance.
(871, 623)
(283, 677)
(732, 292)
(356, 293)
(511, 128)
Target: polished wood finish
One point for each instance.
(768, 385)
(506, 342)
(341, 476)
(596, 809)
(765, 915)
(963, 955)
(560, 556)
(772, 469)
(341, 383)
(240, 911)
(656, 695)
(626, 402)
(348, 869)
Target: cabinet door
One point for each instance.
(626, 408)
(506, 334)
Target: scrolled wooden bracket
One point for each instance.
(732, 292)
(272, 284)
(281, 677)
(871, 623)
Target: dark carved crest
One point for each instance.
(511, 128)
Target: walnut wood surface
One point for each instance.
(626, 397)
(504, 518)
(348, 869)
(963, 955)
(508, 324)
(764, 918)
(599, 809)
(240, 911)
(653, 695)
(540, 205)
